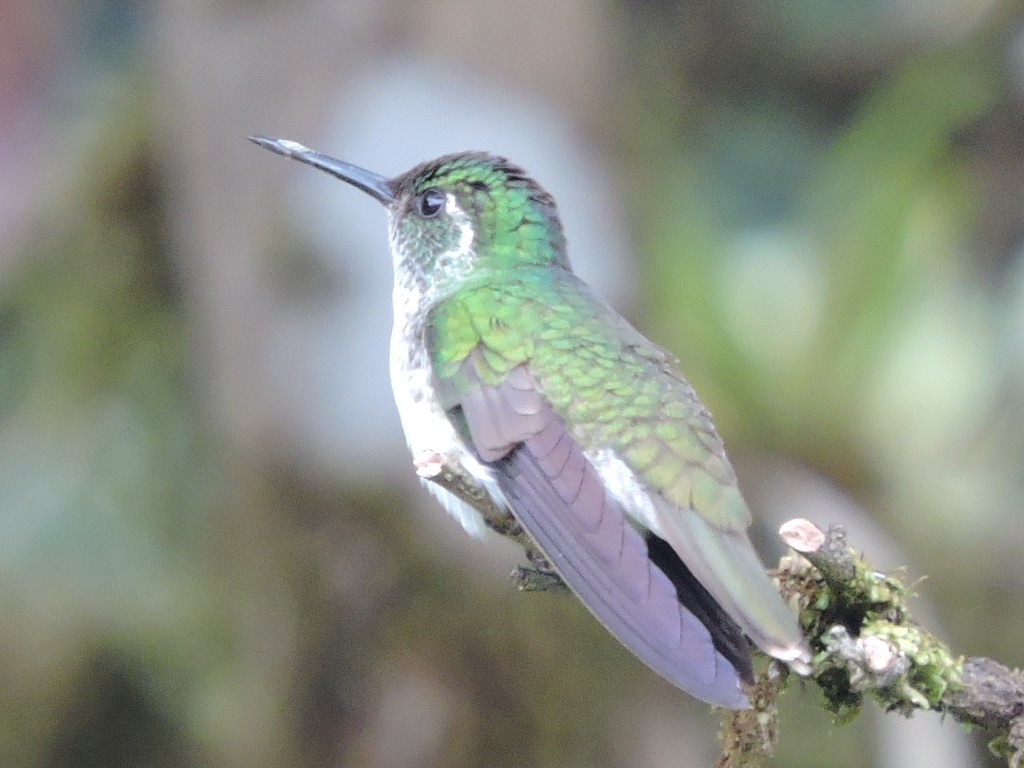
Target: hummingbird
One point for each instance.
(504, 363)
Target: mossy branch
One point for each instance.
(856, 622)
(867, 645)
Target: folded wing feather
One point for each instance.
(558, 497)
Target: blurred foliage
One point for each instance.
(106, 480)
(809, 226)
(797, 318)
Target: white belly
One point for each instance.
(428, 430)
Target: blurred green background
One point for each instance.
(213, 551)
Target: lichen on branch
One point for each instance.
(866, 643)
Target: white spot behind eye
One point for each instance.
(459, 216)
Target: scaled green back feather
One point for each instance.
(612, 389)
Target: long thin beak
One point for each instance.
(371, 183)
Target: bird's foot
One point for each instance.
(530, 579)
(448, 473)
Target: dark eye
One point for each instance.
(430, 203)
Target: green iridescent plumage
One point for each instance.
(612, 390)
(505, 365)
(516, 221)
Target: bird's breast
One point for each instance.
(427, 427)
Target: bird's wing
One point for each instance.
(651, 422)
(558, 497)
(696, 506)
